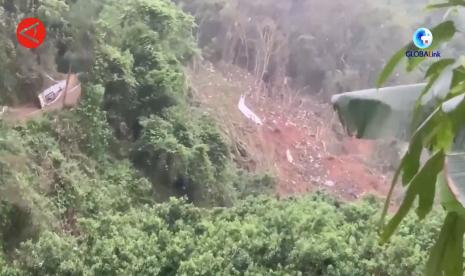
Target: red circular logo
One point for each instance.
(31, 32)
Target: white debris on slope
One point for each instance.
(247, 112)
(4, 110)
(330, 183)
(290, 159)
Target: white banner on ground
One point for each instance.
(247, 112)
(52, 94)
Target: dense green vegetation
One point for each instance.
(135, 105)
(85, 191)
(261, 236)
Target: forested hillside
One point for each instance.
(315, 45)
(138, 180)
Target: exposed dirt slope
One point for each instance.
(300, 141)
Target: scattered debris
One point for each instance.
(299, 145)
(248, 112)
(330, 183)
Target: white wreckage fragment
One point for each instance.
(4, 109)
(247, 112)
(290, 159)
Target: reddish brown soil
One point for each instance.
(320, 160)
(323, 157)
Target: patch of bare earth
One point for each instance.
(300, 141)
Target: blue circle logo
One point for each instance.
(422, 38)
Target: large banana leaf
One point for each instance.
(387, 112)
(378, 113)
(455, 173)
(455, 161)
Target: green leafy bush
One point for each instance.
(187, 154)
(315, 235)
(140, 68)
